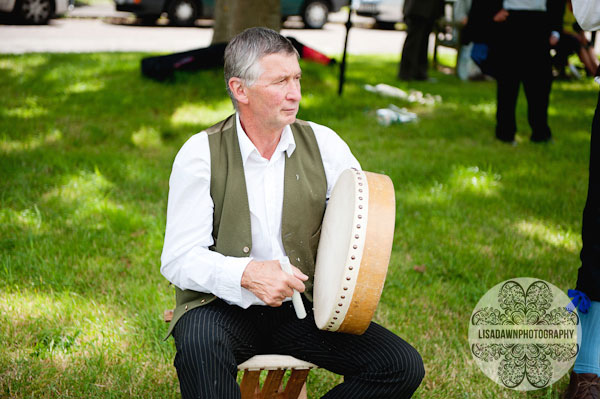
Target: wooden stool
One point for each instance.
(276, 366)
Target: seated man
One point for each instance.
(244, 193)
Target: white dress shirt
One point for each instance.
(186, 260)
(587, 13)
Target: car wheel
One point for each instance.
(315, 14)
(36, 12)
(183, 12)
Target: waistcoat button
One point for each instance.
(246, 250)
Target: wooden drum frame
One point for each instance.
(354, 251)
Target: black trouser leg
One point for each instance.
(414, 62)
(211, 341)
(523, 54)
(537, 90)
(423, 60)
(507, 93)
(537, 82)
(567, 45)
(588, 280)
(377, 364)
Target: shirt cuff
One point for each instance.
(230, 280)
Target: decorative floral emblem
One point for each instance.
(521, 334)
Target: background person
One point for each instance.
(482, 33)
(419, 16)
(585, 378)
(524, 35)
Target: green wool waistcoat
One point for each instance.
(304, 196)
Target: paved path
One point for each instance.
(101, 28)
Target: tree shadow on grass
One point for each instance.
(86, 154)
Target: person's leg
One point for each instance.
(584, 376)
(567, 45)
(376, 364)
(426, 27)
(211, 341)
(594, 63)
(409, 62)
(590, 60)
(506, 65)
(537, 74)
(507, 92)
(588, 359)
(588, 277)
(537, 90)
(463, 63)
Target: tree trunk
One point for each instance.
(233, 16)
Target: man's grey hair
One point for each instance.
(244, 51)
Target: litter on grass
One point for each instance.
(393, 114)
(412, 96)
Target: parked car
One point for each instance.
(386, 12)
(36, 12)
(314, 13)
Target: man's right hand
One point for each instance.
(270, 283)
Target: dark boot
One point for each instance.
(583, 386)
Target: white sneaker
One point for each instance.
(574, 71)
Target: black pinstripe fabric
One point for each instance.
(211, 340)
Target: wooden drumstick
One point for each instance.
(296, 299)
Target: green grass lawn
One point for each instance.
(86, 147)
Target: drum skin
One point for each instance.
(354, 251)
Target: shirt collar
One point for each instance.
(286, 143)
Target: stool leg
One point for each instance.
(272, 384)
(303, 392)
(296, 385)
(250, 385)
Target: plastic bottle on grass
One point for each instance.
(393, 114)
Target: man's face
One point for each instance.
(275, 96)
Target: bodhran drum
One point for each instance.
(354, 251)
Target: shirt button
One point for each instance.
(186, 306)
(246, 250)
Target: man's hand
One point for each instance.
(270, 283)
(501, 16)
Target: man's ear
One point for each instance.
(237, 87)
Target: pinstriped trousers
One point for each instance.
(213, 339)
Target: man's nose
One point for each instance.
(294, 93)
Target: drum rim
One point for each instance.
(377, 234)
(334, 318)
